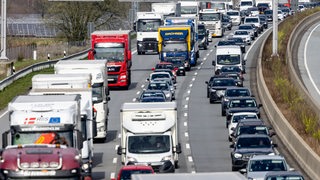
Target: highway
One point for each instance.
(202, 131)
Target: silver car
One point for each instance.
(163, 86)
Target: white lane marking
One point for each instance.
(187, 146)
(305, 60)
(186, 134)
(190, 159)
(114, 161)
(187, 98)
(138, 92)
(112, 175)
(188, 91)
(191, 85)
(4, 113)
(116, 147)
(134, 99)
(195, 73)
(185, 114)
(142, 86)
(119, 135)
(208, 53)
(205, 58)
(186, 106)
(201, 64)
(185, 124)
(193, 79)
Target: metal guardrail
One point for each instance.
(36, 67)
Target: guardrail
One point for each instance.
(305, 156)
(36, 67)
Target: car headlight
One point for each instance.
(131, 159)
(225, 99)
(271, 154)
(85, 166)
(213, 90)
(167, 158)
(167, 95)
(237, 155)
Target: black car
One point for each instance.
(226, 22)
(269, 14)
(285, 175)
(251, 126)
(233, 92)
(235, 76)
(248, 145)
(209, 83)
(242, 104)
(218, 86)
(203, 36)
(179, 65)
(239, 41)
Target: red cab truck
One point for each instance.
(115, 47)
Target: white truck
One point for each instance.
(99, 85)
(229, 56)
(190, 8)
(212, 19)
(167, 9)
(149, 135)
(51, 119)
(62, 84)
(146, 26)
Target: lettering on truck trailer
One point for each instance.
(42, 120)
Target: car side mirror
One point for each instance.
(206, 82)
(119, 150)
(178, 148)
(274, 145)
(213, 63)
(231, 146)
(272, 134)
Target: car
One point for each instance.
(233, 92)
(179, 64)
(125, 172)
(269, 14)
(163, 86)
(255, 21)
(236, 76)
(248, 145)
(164, 65)
(239, 41)
(285, 11)
(251, 28)
(253, 11)
(170, 82)
(242, 104)
(284, 175)
(219, 85)
(171, 72)
(225, 43)
(209, 83)
(280, 15)
(263, 20)
(203, 36)
(244, 34)
(226, 22)
(232, 69)
(148, 94)
(237, 117)
(160, 74)
(235, 17)
(259, 165)
(251, 126)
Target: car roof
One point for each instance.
(242, 97)
(243, 113)
(283, 173)
(251, 122)
(237, 87)
(263, 157)
(253, 136)
(136, 167)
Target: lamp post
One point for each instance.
(3, 30)
(275, 28)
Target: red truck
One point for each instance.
(40, 161)
(115, 46)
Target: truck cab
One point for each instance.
(212, 19)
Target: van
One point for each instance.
(245, 4)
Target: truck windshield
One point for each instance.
(209, 17)
(97, 92)
(45, 137)
(175, 46)
(145, 25)
(109, 51)
(149, 144)
(189, 9)
(228, 59)
(246, 3)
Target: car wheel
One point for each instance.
(211, 101)
(184, 74)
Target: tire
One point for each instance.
(229, 139)
(139, 52)
(223, 113)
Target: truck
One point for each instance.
(245, 4)
(149, 135)
(70, 84)
(175, 43)
(114, 46)
(167, 9)
(193, 23)
(99, 85)
(190, 8)
(220, 6)
(146, 26)
(229, 55)
(44, 136)
(212, 19)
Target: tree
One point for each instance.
(72, 18)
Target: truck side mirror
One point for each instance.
(243, 62)
(178, 148)
(5, 139)
(119, 150)
(79, 140)
(213, 63)
(134, 26)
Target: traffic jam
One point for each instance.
(53, 129)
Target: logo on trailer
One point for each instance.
(41, 120)
(30, 120)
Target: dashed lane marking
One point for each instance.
(186, 106)
(186, 134)
(112, 175)
(187, 146)
(185, 114)
(114, 161)
(185, 124)
(190, 159)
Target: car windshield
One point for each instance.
(242, 103)
(237, 92)
(252, 130)
(230, 59)
(164, 66)
(149, 144)
(237, 118)
(223, 82)
(253, 142)
(160, 75)
(246, 3)
(233, 13)
(237, 40)
(126, 174)
(267, 165)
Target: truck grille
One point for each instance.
(210, 26)
(112, 79)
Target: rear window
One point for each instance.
(126, 174)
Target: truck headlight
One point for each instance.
(168, 95)
(237, 155)
(123, 76)
(131, 159)
(167, 158)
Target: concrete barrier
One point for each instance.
(305, 156)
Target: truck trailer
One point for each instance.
(71, 84)
(167, 9)
(149, 135)
(40, 126)
(115, 47)
(100, 90)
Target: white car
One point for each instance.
(235, 17)
(280, 15)
(245, 35)
(236, 117)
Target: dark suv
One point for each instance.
(233, 92)
(218, 86)
(248, 145)
(242, 104)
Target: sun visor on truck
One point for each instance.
(174, 34)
